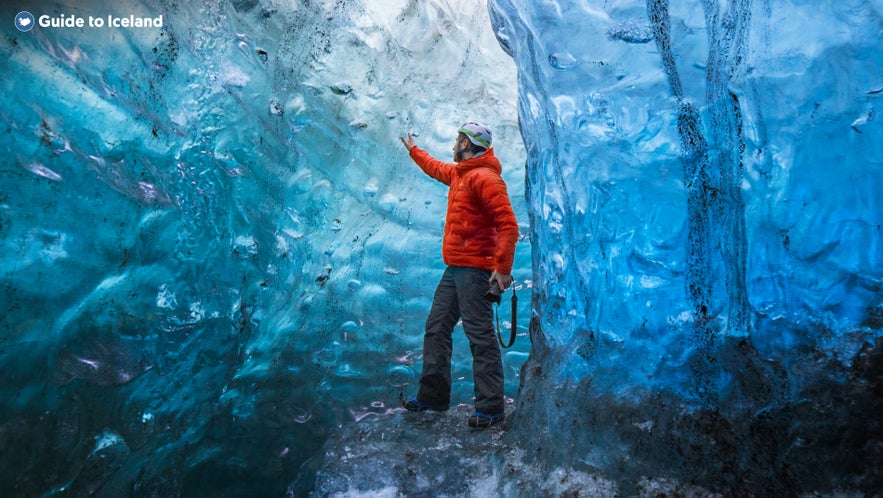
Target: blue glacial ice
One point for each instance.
(217, 258)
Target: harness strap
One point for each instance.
(514, 322)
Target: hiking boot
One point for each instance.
(412, 405)
(483, 421)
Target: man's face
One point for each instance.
(459, 148)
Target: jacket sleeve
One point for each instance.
(441, 171)
(493, 191)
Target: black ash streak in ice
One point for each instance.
(713, 173)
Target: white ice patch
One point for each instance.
(107, 439)
(165, 298)
(41, 170)
(232, 75)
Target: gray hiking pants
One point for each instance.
(460, 294)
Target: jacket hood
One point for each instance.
(486, 160)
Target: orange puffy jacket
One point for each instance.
(480, 227)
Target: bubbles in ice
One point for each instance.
(562, 61)
(631, 32)
(400, 375)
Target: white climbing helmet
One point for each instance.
(478, 134)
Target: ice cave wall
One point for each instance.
(214, 246)
(703, 191)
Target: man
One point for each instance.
(478, 249)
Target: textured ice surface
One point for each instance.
(703, 191)
(434, 454)
(214, 245)
(216, 257)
